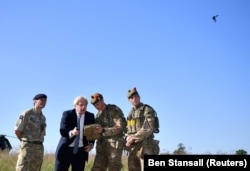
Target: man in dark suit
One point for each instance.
(66, 153)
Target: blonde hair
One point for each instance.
(78, 99)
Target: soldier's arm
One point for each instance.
(19, 134)
(20, 125)
(148, 125)
(118, 125)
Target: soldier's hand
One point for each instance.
(129, 141)
(98, 129)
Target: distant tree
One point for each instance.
(240, 152)
(181, 149)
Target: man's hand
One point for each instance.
(88, 147)
(75, 132)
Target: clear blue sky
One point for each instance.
(193, 71)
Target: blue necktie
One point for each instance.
(76, 145)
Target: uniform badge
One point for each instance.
(21, 117)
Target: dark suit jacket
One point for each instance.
(69, 122)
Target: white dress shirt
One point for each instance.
(81, 131)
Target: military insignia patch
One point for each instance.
(21, 117)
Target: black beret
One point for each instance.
(39, 96)
(132, 92)
(95, 98)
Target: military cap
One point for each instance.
(132, 92)
(39, 96)
(95, 98)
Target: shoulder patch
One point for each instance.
(21, 117)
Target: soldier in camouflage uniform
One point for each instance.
(140, 132)
(30, 129)
(109, 146)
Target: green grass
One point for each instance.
(8, 162)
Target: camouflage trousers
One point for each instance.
(108, 155)
(135, 159)
(30, 157)
(137, 152)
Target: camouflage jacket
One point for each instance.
(112, 120)
(140, 122)
(32, 125)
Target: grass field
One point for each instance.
(8, 162)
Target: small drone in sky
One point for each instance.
(214, 18)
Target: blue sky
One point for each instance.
(193, 71)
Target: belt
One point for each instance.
(34, 142)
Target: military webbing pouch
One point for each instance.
(150, 147)
(157, 125)
(156, 120)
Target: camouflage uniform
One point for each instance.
(33, 127)
(140, 125)
(109, 146)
